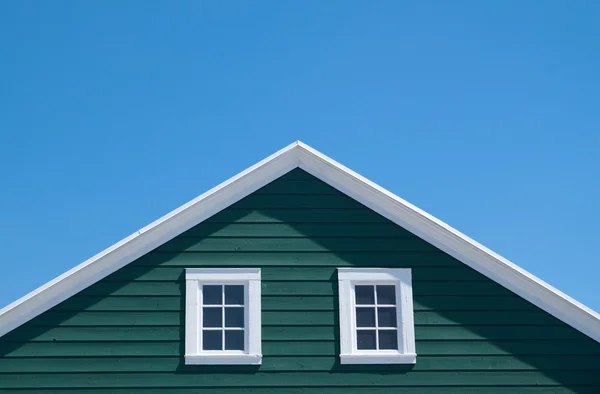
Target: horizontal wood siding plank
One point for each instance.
(121, 303)
(579, 389)
(307, 288)
(290, 201)
(439, 332)
(306, 379)
(421, 303)
(291, 364)
(190, 244)
(329, 259)
(298, 348)
(92, 349)
(446, 348)
(273, 273)
(299, 188)
(419, 288)
(294, 317)
(298, 230)
(58, 334)
(292, 216)
(274, 303)
(301, 303)
(293, 289)
(291, 333)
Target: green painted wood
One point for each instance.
(264, 259)
(191, 244)
(446, 348)
(292, 216)
(306, 201)
(579, 389)
(118, 303)
(439, 332)
(125, 333)
(330, 390)
(468, 302)
(285, 332)
(297, 348)
(303, 302)
(498, 332)
(91, 349)
(295, 363)
(274, 273)
(287, 288)
(307, 317)
(96, 334)
(305, 379)
(298, 230)
(419, 288)
(299, 187)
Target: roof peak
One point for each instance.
(373, 196)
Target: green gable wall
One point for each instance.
(125, 333)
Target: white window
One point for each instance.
(376, 316)
(222, 316)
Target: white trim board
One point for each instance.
(249, 278)
(347, 181)
(401, 280)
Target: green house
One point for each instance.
(298, 276)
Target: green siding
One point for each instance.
(125, 333)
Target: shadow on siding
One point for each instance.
(451, 336)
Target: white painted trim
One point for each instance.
(347, 181)
(226, 359)
(378, 359)
(192, 317)
(401, 278)
(221, 274)
(374, 274)
(250, 278)
(407, 316)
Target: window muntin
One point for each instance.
(223, 316)
(376, 316)
(222, 319)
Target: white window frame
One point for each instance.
(194, 279)
(402, 279)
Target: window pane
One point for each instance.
(386, 294)
(212, 317)
(365, 317)
(211, 295)
(234, 294)
(234, 340)
(388, 339)
(365, 339)
(234, 317)
(212, 340)
(364, 295)
(386, 317)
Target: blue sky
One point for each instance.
(485, 114)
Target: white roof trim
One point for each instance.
(347, 181)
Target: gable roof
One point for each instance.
(300, 155)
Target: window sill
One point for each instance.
(224, 359)
(374, 358)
